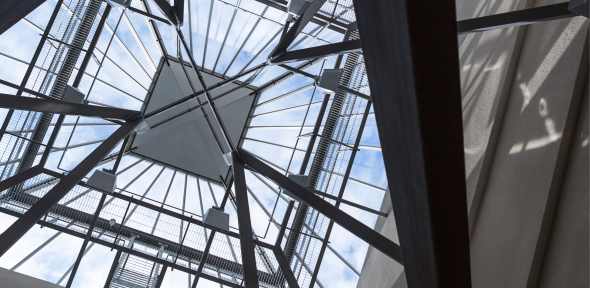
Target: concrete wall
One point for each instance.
(525, 119)
(11, 279)
(373, 273)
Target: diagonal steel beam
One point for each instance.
(113, 268)
(416, 92)
(179, 10)
(285, 267)
(297, 27)
(14, 10)
(318, 52)
(29, 218)
(515, 18)
(167, 10)
(216, 114)
(149, 15)
(244, 223)
(347, 222)
(20, 177)
(58, 107)
(211, 88)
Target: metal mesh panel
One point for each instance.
(133, 271)
(343, 12)
(151, 230)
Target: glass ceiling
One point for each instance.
(226, 38)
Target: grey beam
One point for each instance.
(244, 223)
(416, 93)
(20, 177)
(58, 107)
(167, 10)
(149, 15)
(515, 18)
(211, 88)
(32, 92)
(285, 267)
(14, 10)
(318, 52)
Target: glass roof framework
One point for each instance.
(228, 37)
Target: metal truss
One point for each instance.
(431, 221)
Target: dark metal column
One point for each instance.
(161, 276)
(113, 269)
(412, 61)
(244, 224)
(14, 10)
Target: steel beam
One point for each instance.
(32, 92)
(211, 88)
(167, 10)
(20, 177)
(149, 15)
(207, 94)
(113, 269)
(416, 93)
(285, 267)
(58, 107)
(161, 276)
(284, 224)
(297, 27)
(515, 18)
(318, 52)
(347, 222)
(29, 218)
(227, 191)
(349, 203)
(179, 9)
(204, 259)
(354, 92)
(244, 223)
(14, 10)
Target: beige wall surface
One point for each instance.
(379, 270)
(526, 136)
(566, 259)
(512, 226)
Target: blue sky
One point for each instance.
(123, 81)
